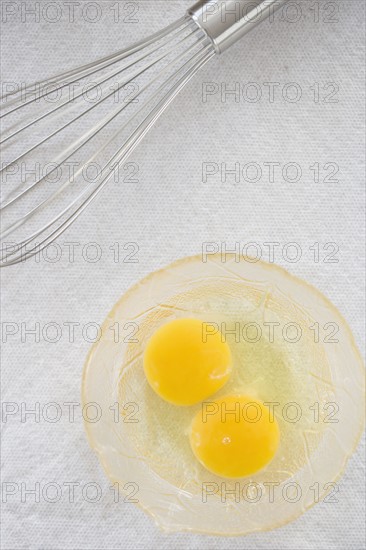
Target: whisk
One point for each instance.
(65, 137)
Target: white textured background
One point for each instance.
(169, 213)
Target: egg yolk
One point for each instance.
(184, 367)
(234, 436)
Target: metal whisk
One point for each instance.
(64, 138)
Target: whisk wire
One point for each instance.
(80, 94)
(179, 70)
(74, 147)
(82, 71)
(122, 155)
(92, 131)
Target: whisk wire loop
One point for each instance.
(157, 69)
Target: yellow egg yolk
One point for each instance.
(182, 365)
(234, 436)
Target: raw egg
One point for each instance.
(234, 436)
(182, 365)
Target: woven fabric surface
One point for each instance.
(300, 106)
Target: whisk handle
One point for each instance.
(225, 21)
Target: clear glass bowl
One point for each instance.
(291, 348)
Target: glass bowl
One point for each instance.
(291, 349)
